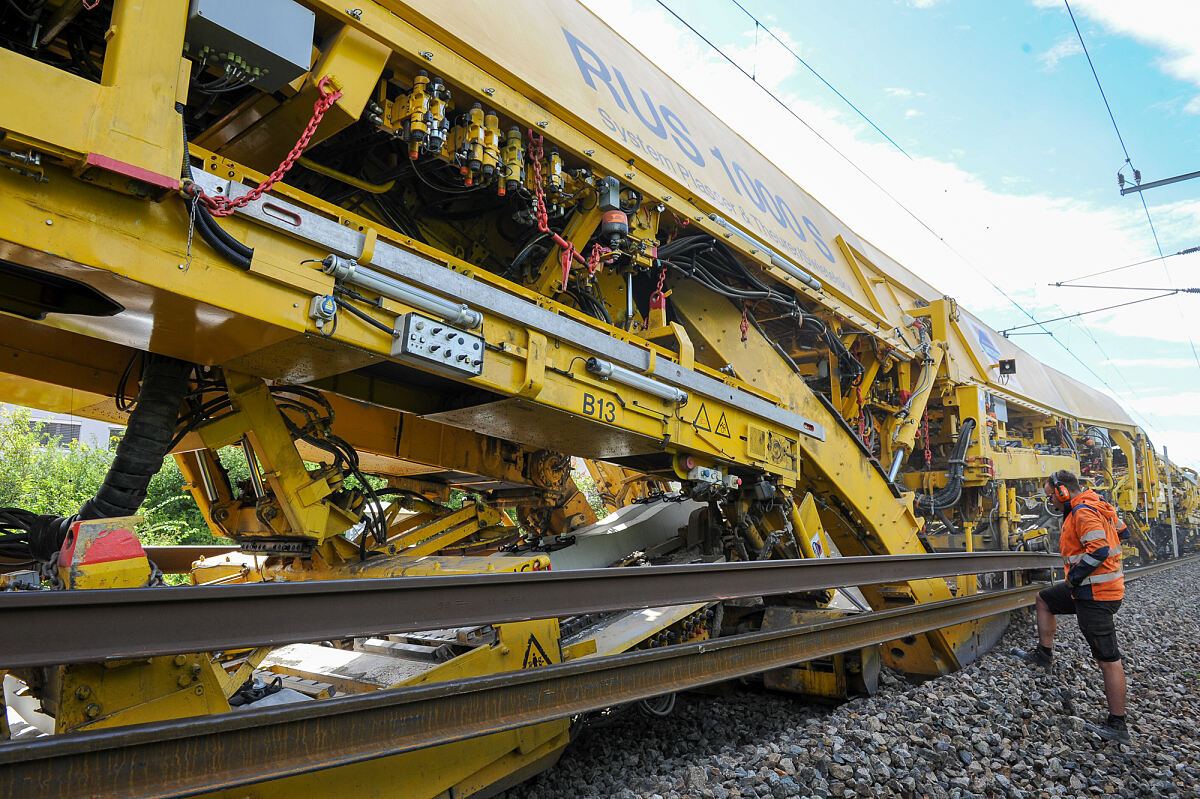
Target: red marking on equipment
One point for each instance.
(131, 171)
(117, 544)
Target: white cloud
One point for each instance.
(1153, 363)
(1019, 242)
(1065, 47)
(1193, 106)
(912, 112)
(1166, 25)
(901, 92)
(1186, 404)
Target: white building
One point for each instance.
(71, 428)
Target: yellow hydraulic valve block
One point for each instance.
(418, 113)
(491, 147)
(473, 146)
(512, 157)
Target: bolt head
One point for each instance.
(92, 710)
(83, 692)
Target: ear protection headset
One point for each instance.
(1058, 490)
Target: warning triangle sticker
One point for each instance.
(702, 414)
(535, 656)
(722, 426)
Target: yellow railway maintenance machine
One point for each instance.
(452, 246)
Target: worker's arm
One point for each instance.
(1095, 545)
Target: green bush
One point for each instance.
(40, 476)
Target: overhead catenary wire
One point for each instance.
(758, 24)
(1087, 367)
(1172, 289)
(1042, 322)
(1128, 160)
(1187, 251)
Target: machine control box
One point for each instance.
(431, 343)
(264, 43)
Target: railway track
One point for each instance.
(197, 755)
(126, 623)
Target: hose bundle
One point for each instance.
(703, 259)
(140, 453)
(948, 495)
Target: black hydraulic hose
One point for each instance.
(139, 455)
(948, 495)
(213, 234)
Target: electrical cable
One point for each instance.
(1187, 251)
(1141, 195)
(807, 66)
(213, 234)
(1134, 288)
(1042, 322)
(345, 306)
(948, 495)
(893, 198)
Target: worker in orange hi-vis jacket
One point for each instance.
(1093, 590)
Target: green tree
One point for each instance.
(39, 475)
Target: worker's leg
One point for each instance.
(1096, 622)
(1052, 602)
(1114, 686)
(1047, 623)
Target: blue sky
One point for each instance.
(1013, 157)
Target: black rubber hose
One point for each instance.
(139, 455)
(948, 495)
(213, 234)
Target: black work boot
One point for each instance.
(1041, 657)
(1113, 729)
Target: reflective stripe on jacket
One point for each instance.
(1091, 549)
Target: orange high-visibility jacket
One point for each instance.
(1091, 549)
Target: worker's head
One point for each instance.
(1060, 487)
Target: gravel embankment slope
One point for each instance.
(995, 729)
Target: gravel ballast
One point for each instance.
(998, 728)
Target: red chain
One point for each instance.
(680, 224)
(745, 325)
(925, 430)
(658, 299)
(223, 206)
(543, 218)
(568, 252)
(593, 262)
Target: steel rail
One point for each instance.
(116, 624)
(197, 755)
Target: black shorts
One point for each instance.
(1095, 619)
